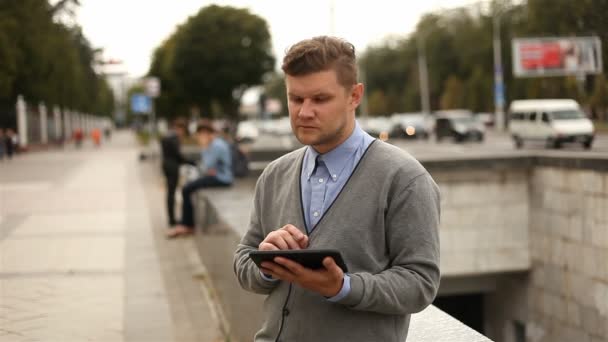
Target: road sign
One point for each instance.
(499, 94)
(141, 104)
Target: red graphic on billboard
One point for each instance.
(541, 55)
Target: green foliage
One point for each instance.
(275, 88)
(210, 59)
(459, 54)
(47, 61)
(599, 98)
(452, 97)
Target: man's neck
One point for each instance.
(343, 138)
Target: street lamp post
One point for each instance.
(499, 89)
(423, 76)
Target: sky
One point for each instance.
(130, 30)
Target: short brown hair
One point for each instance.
(320, 54)
(180, 124)
(205, 127)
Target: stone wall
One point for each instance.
(530, 233)
(548, 215)
(484, 220)
(568, 298)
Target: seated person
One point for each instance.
(217, 162)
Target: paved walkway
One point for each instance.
(79, 255)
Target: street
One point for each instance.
(494, 144)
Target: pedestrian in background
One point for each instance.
(78, 137)
(10, 143)
(172, 159)
(2, 147)
(217, 172)
(96, 136)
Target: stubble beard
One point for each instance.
(325, 139)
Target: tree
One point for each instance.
(599, 98)
(452, 97)
(377, 103)
(172, 101)
(217, 54)
(46, 60)
(275, 88)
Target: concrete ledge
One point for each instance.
(432, 325)
(582, 162)
(517, 160)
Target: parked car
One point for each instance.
(410, 125)
(461, 125)
(279, 126)
(378, 127)
(486, 118)
(247, 131)
(553, 121)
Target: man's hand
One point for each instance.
(327, 281)
(211, 172)
(287, 237)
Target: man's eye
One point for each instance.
(321, 99)
(296, 99)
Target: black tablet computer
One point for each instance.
(309, 258)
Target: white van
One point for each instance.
(551, 121)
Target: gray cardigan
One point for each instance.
(384, 222)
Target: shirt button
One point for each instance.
(320, 180)
(285, 312)
(315, 214)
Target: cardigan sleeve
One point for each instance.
(411, 281)
(247, 272)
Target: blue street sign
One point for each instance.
(499, 94)
(141, 103)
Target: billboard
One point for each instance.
(539, 57)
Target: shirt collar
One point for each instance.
(336, 159)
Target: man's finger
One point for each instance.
(292, 266)
(331, 266)
(278, 271)
(278, 241)
(295, 232)
(265, 246)
(303, 242)
(291, 242)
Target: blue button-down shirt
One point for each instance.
(217, 156)
(323, 177)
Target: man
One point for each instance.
(370, 200)
(172, 158)
(2, 143)
(10, 143)
(217, 165)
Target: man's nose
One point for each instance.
(306, 110)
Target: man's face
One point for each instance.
(321, 110)
(204, 138)
(180, 131)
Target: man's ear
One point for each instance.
(356, 95)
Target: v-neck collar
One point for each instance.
(298, 178)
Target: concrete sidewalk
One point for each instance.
(80, 259)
